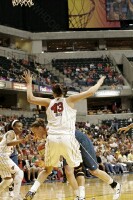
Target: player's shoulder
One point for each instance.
(10, 132)
(51, 101)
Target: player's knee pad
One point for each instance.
(5, 183)
(78, 171)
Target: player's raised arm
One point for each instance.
(83, 95)
(30, 97)
(125, 129)
(12, 142)
(16, 142)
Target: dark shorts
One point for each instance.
(88, 155)
(87, 151)
(14, 158)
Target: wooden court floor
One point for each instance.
(95, 190)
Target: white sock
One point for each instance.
(17, 183)
(81, 191)
(76, 193)
(110, 181)
(35, 186)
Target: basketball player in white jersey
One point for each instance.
(61, 117)
(38, 128)
(9, 171)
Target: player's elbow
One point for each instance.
(90, 94)
(29, 99)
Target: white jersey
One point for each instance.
(61, 117)
(4, 149)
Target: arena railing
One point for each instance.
(17, 54)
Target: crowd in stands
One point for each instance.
(114, 151)
(80, 72)
(29, 158)
(106, 111)
(87, 71)
(12, 70)
(98, 110)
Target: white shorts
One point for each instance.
(7, 167)
(62, 145)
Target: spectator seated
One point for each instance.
(12, 70)
(87, 71)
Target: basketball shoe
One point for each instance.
(117, 191)
(29, 195)
(11, 193)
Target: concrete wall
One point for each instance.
(9, 112)
(37, 46)
(117, 54)
(127, 69)
(81, 108)
(48, 56)
(67, 34)
(125, 102)
(96, 119)
(13, 53)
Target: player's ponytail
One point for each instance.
(57, 89)
(38, 122)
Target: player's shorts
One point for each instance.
(88, 155)
(62, 145)
(14, 158)
(7, 167)
(87, 151)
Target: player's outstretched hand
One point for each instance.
(122, 129)
(27, 77)
(27, 138)
(101, 80)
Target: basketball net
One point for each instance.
(79, 16)
(22, 2)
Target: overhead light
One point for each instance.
(72, 92)
(2, 84)
(42, 51)
(107, 93)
